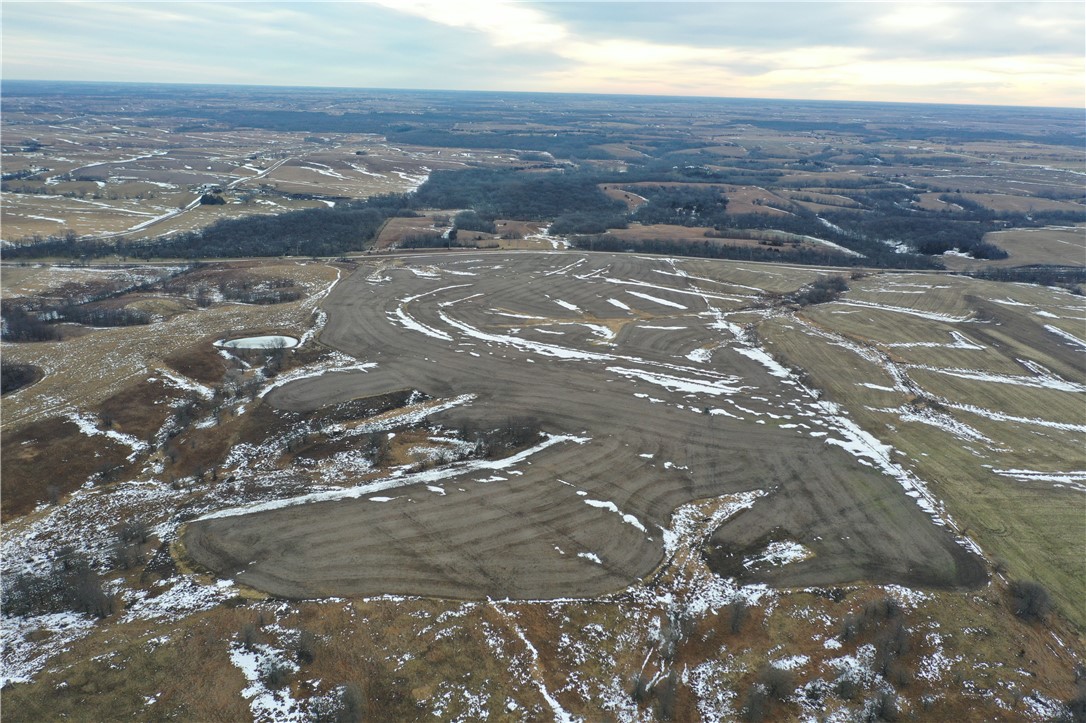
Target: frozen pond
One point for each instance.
(260, 342)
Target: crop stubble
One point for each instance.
(521, 536)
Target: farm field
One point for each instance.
(421, 405)
(946, 188)
(589, 474)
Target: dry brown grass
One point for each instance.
(200, 362)
(46, 460)
(1062, 246)
(396, 229)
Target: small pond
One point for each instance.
(260, 342)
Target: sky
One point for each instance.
(998, 53)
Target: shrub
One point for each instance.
(71, 584)
(884, 708)
(1029, 600)
(249, 636)
(306, 649)
(344, 705)
(738, 614)
(275, 675)
(778, 683)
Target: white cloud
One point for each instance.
(1006, 53)
(505, 24)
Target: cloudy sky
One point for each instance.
(1004, 53)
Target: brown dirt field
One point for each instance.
(860, 524)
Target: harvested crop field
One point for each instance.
(648, 392)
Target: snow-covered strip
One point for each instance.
(399, 479)
(324, 294)
(1044, 379)
(21, 657)
(1001, 417)
(337, 363)
(318, 324)
(690, 385)
(687, 292)
(567, 305)
(762, 357)
(684, 275)
(411, 323)
(1076, 480)
(936, 418)
(265, 704)
(1070, 338)
(656, 299)
(863, 445)
(88, 427)
(569, 267)
(619, 304)
(930, 315)
(608, 505)
(778, 553)
(551, 350)
(604, 332)
(960, 342)
(186, 384)
(591, 557)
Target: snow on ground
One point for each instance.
(1043, 379)
(689, 385)
(1075, 480)
(255, 662)
(960, 342)
(28, 643)
(700, 356)
(778, 553)
(696, 590)
(183, 597)
(334, 363)
(400, 478)
(1073, 340)
(608, 505)
(90, 428)
(561, 715)
(938, 419)
(656, 299)
(930, 315)
(716, 697)
(184, 383)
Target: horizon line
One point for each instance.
(536, 92)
